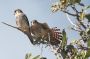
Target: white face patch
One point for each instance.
(32, 23)
(17, 13)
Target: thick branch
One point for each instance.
(26, 33)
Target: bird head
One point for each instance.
(18, 12)
(34, 22)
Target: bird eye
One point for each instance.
(15, 11)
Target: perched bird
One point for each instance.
(21, 20)
(23, 23)
(39, 30)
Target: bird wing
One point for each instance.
(25, 19)
(45, 25)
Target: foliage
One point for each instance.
(29, 56)
(77, 48)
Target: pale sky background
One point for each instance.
(13, 43)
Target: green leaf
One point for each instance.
(88, 51)
(64, 39)
(70, 47)
(88, 17)
(83, 53)
(28, 56)
(88, 31)
(88, 43)
(43, 58)
(74, 1)
(63, 54)
(77, 1)
(82, 15)
(36, 57)
(88, 7)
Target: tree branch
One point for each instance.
(69, 13)
(77, 13)
(26, 33)
(12, 26)
(73, 7)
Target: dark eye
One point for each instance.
(15, 11)
(35, 21)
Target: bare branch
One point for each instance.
(73, 7)
(81, 23)
(26, 33)
(69, 13)
(12, 26)
(77, 13)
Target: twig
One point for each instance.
(73, 7)
(12, 26)
(81, 23)
(76, 29)
(77, 13)
(26, 33)
(70, 13)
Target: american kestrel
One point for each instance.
(21, 20)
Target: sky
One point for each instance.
(13, 43)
